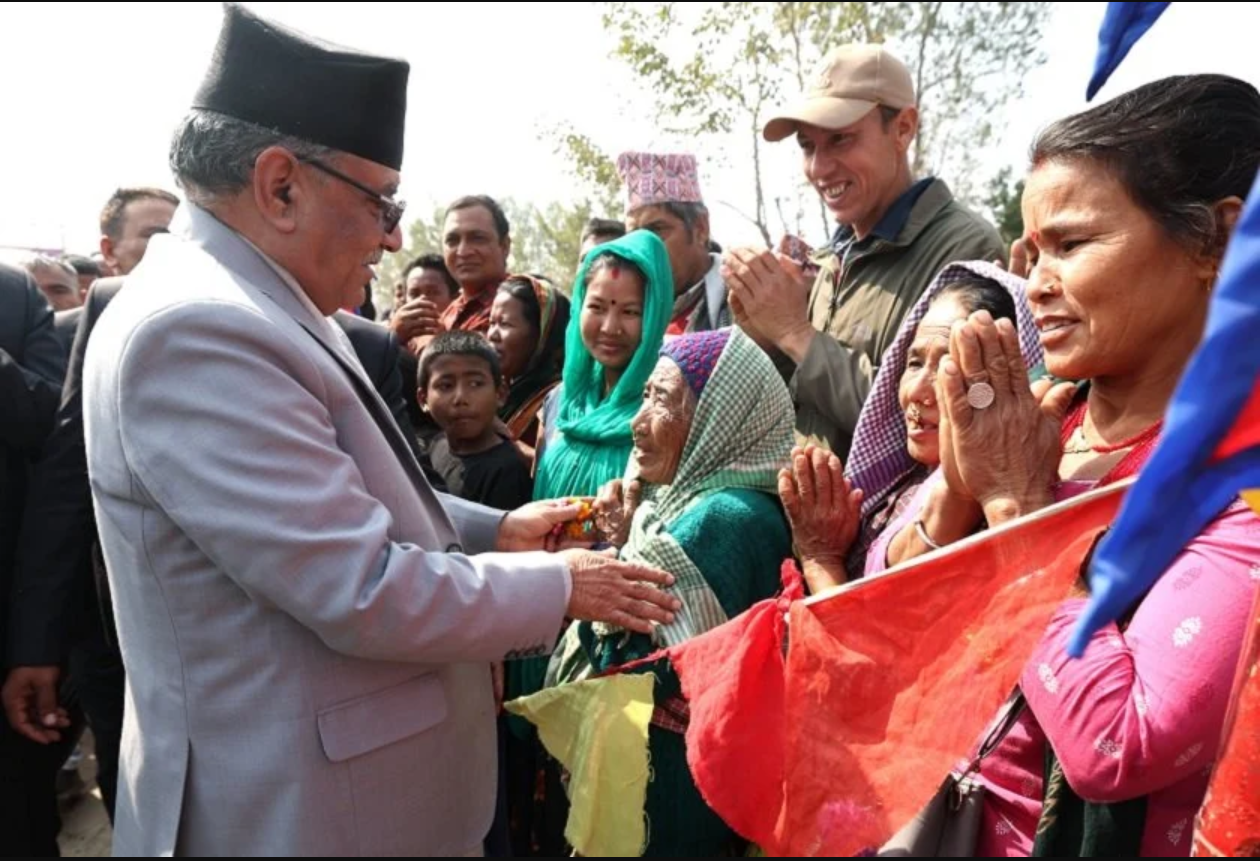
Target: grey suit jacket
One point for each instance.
(306, 643)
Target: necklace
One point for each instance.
(1076, 443)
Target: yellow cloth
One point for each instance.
(598, 730)
(1252, 498)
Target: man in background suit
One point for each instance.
(61, 615)
(65, 325)
(129, 219)
(31, 367)
(307, 626)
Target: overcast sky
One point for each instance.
(90, 93)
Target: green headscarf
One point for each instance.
(595, 441)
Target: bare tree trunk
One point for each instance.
(761, 195)
(929, 27)
(866, 23)
(778, 208)
(795, 32)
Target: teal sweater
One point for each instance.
(738, 539)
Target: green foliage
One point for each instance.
(1003, 201)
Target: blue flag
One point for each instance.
(1123, 25)
(1210, 450)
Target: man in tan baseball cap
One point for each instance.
(854, 125)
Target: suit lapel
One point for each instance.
(247, 263)
(376, 408)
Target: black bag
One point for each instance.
(948, 826)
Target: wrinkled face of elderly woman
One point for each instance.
(663, 424)
(917, 391)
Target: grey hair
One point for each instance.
(688, 213)
(212, 155)
(34, 261)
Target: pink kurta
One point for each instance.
(1142, 712)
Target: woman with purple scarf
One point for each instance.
(841, 519)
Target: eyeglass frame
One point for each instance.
(391, 210)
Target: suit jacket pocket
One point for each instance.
(363, 725)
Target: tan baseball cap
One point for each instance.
(851, 82)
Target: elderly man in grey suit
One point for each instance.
(307, 634)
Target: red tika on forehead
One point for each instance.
(615, 272)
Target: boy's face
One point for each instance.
(462, 397)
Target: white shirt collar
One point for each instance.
(714, 289)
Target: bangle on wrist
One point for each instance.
(922, 532)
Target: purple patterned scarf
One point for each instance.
(879, 459)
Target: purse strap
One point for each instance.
(1011, 714)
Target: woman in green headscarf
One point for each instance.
(623, 298)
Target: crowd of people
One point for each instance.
(256, 538)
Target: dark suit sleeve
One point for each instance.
(409, 368)
(390, 386)
(54, 577)
(66, 323)
(378, 350)
(30, 377)
(397, 396)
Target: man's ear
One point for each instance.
(279, 189)
(905, 127)
(702, 230)
(107, 251)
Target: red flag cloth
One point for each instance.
(733, 678)
(888, 683)
(1229, 823)
(1246, 431)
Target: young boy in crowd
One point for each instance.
(461, 386)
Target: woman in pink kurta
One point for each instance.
(1127, 210)
(1141, 713)
(1150, 727)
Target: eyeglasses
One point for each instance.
(391, 210)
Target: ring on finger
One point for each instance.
(981, 396)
